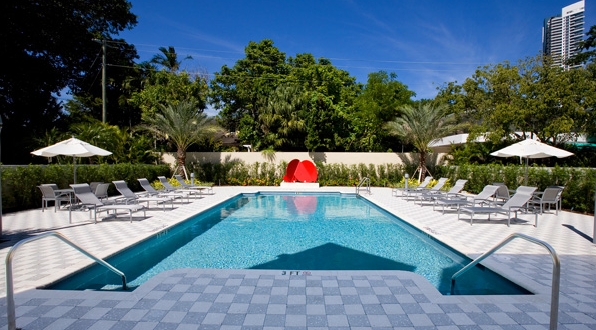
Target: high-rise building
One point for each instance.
(562, 34)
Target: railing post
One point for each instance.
(554, 300)
(10, 307)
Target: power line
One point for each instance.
(329, 58)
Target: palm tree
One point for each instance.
(420, 126)
(183, 124)
(168, 59)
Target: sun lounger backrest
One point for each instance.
(439, 184)
(487, 192)
(425, 182)
(525, 190)
(147, 186)
(517, 200)
(166, 183)
(458, 186)
(122, 187)
(181, 181)
(85, 195)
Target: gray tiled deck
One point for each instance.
(272, 299)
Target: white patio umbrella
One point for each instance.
(531, 149)
(71, 147)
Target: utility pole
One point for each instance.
(104, 106)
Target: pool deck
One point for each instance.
(300, 299)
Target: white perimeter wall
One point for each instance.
(347, 158)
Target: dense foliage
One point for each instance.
(302, 103)
(49, 46)
(533, 98)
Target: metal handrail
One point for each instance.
(364, 180)
(554, 300)
(10, 308)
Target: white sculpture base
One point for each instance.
(299, 185)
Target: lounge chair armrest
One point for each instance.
(117, 200)
(129, 200)
(456, 196)
(517, 208)
(483, 201)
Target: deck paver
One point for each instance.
(272, 299)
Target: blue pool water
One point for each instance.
(294, 232)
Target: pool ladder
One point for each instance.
(366, 181)
(10, 308)
(554, 300)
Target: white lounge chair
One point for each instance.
(450, 194)
(150, 191)
(417, 192)
(203, 189)
(485, 197)
(516, 203)
(88, 199)
(168, 187)
(422, 185)
(130, 197)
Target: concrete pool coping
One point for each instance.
(44, 262)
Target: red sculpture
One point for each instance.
(301, 171)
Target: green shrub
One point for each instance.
(19, 183)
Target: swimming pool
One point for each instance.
(294, 232)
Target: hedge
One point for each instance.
(578, 194)
(19, 183)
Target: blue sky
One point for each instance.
(426, 43)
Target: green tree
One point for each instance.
(243, 89)
(48, 46)
(168, 59)
(377, 104)
(286, 105)
(183, 124)
(268, 99)
(555, 102)
(421, 125)
(323, 124)
(531, 98)
(164, 87)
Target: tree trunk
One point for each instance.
(181, 158)
(422, 165)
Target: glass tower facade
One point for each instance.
(562, 34)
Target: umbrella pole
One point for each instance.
(526, 171)
(74, 165)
